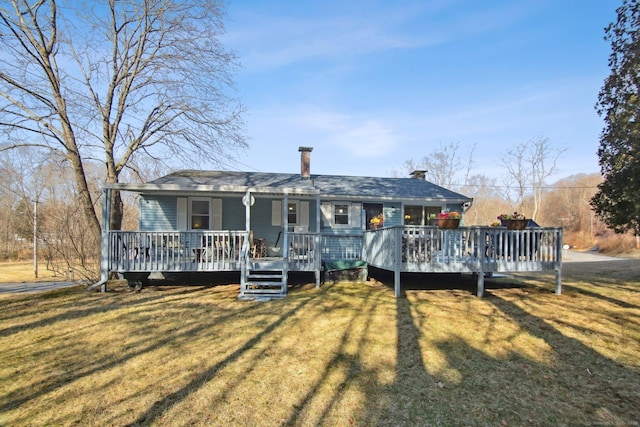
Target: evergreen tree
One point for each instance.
(618, 199)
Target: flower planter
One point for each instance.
(448, 223)
(515, 224)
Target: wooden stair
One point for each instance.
(263, 280)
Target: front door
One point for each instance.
(371, 210)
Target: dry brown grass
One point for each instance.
(345, 354)
(24, 271)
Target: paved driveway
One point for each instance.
(588, 256)
(15, 288)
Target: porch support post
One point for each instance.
(317, 250)
(397, 259)
(246, 243)
(104, 252)
(247, 210)
(285, 237)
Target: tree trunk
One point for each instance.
(84, 193)
(115, 220)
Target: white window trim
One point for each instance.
(190, 214)
(297, 204)
(184, 212)
(425, 218)
(349, 215)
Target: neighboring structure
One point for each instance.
(268, 224)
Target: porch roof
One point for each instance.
(329, 186)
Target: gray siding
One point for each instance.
(233, 213)
(158, 213)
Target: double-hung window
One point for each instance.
(200, 214)
(341, 213)
(292, 213)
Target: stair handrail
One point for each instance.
(244, 261)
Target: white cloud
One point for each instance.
(368, 139)
(354, 136)
(268, 41)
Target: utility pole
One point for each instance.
(35, 237)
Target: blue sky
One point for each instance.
(372, 84)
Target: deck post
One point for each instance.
(559, 263)
(480, 292)
(481, 258)
(397, 259)
(558, 281)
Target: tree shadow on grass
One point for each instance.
(570, 384)
(170, 400)
(581, 378)
(442, 281)
(103, 304)
(151, 303)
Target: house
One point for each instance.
(265, 225)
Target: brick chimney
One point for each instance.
(419, 174)
(305, 162)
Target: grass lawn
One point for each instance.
(344, 354)
(24, 271)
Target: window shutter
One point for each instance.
(276, 213)
(216, 215)
(182, 213)
(304, 215)
(326, 215)
(356, 215)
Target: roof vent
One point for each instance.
(305, 162)
(419, 174)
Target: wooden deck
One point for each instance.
(401, 249)
(479, 250)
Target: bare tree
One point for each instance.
(487, 200)
(517, 176)
(567, 203)
(24, 177)
(121, 80)
(444, 166)
(528, 166)
(64, 240)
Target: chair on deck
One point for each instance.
(252, 245)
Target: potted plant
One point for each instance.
(376, 222)
(514, 221)
(449, 220)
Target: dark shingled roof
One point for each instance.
(327, 185)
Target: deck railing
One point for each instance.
(144, 251)
(466, 249)
(132, 251)
(477, 250)
(304, 252)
